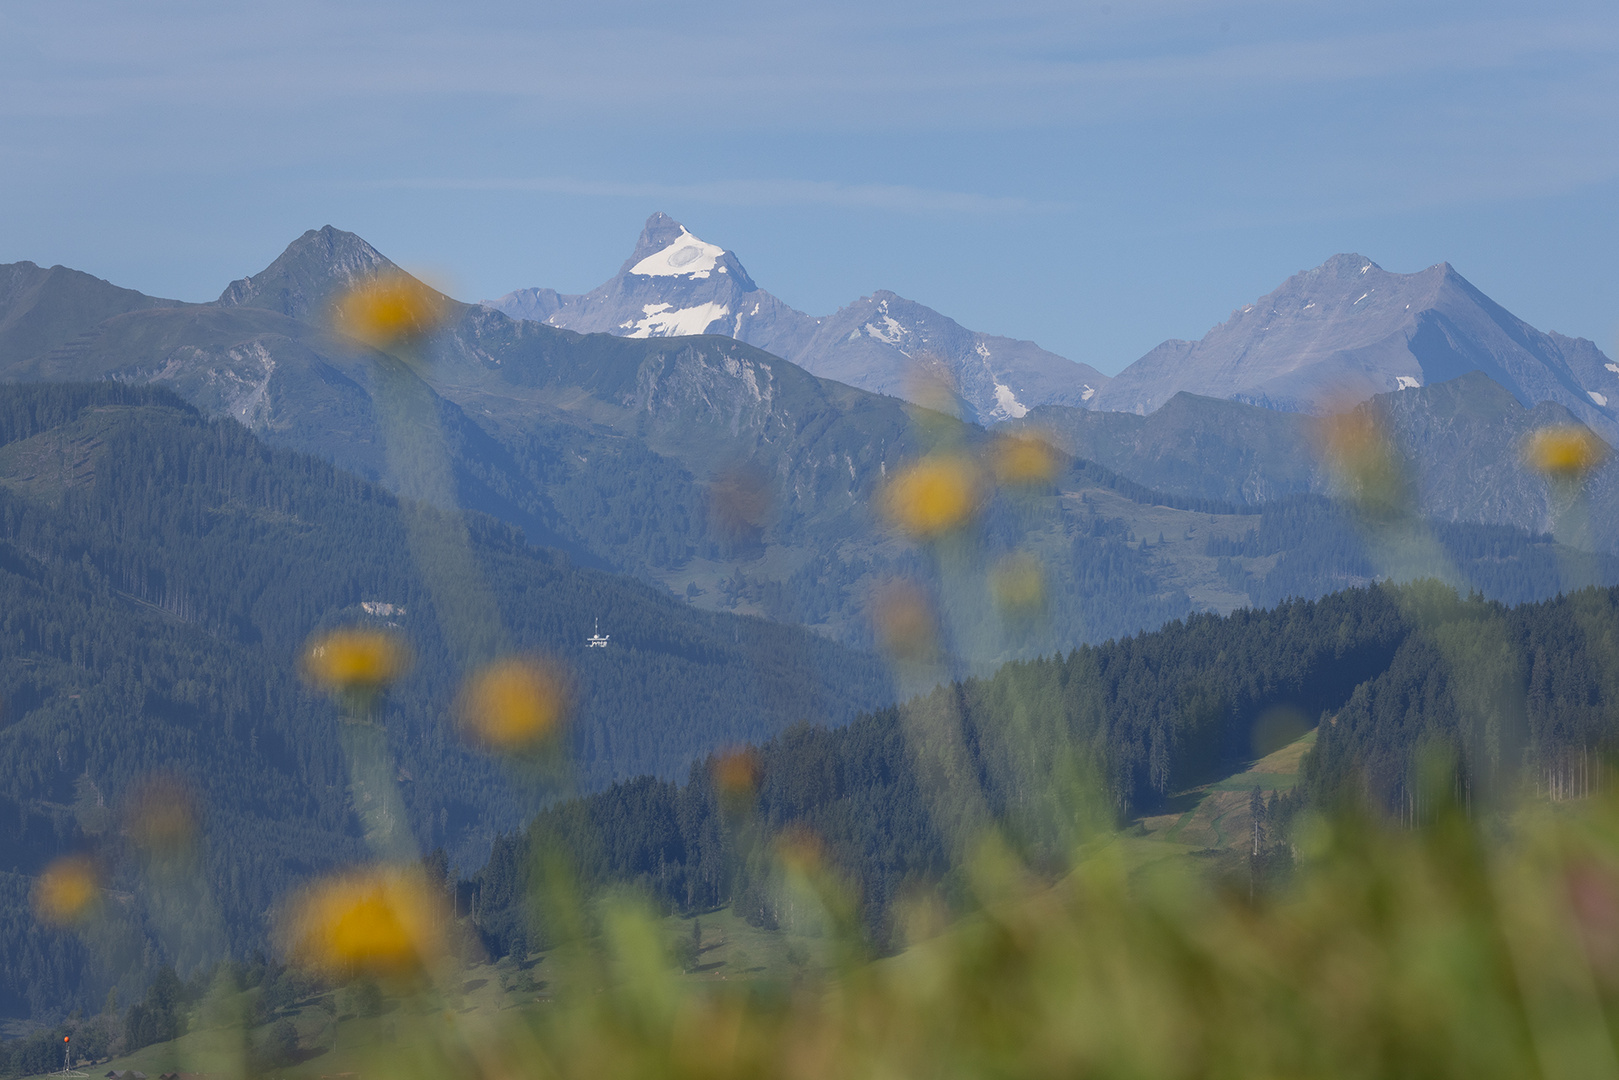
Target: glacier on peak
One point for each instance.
(686, 256)
(676, 284)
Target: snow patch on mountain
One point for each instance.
(890, 333)
(674, 284)
(1600, 399)
(687, 257)
(1008, 402)
(664, 320)
(1407, 382)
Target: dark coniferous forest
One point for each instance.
(1504, 696)
(159, 576)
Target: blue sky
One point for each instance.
(1096, 177)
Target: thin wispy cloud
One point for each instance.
(891, 197)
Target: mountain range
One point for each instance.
(223, 479)
(1326, 339)
(1348, 329)
(1460, 444)
(742, 482)
(676, 284)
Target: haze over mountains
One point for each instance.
(163, 567)
(1327, 338)
(739, 480)
(674, 283)
(1348, 329)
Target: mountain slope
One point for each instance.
(41, 309)
(1459, 442)
(1349, 329)
(302, 279)
(723, 473)
(675, 284)
(159, 576)
(1136, 726)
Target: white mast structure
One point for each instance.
(598, 640)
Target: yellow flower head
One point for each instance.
(1018, 585)
(163, 816)
(904, 622)
(736, 772)
(389, 310)
(66, 892)
(514, 703)
(1023, 460)
(740, 500)
(348, 661)
(1364, 462)
(933, 496)
(374, 921)
(1564, 453)
(800, 849)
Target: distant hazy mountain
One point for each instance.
(41, 309)
(676, 284)
(302, 279)
(1460, 443)
(718, 471)
(1349, 329)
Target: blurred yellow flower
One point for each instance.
(904, 622)
(66, 892)
(162, 815)
(514, 703)
(1023, 460)
(345, 661)
(933, 496)
(1564, 453)
(800, 849)
(374, 921)
(1363, 460)
(736, 772)
(1018, 584)
(388, 310)
(740, 500)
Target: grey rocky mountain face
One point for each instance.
(1348, 329)
(299, 282)
(1459, 445)
(636, 453)
(676, 284)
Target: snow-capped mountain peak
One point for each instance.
(686, 256)
(675, 284)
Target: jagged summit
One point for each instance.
(1348, 329)
(666, 248)
(305, 275)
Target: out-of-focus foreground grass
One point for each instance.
(1457, 949)
(1483, 943)
(1434, 952)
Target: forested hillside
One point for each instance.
(160, 574)
(744, 484)
(1052, 748)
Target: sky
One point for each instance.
(1096, 177)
